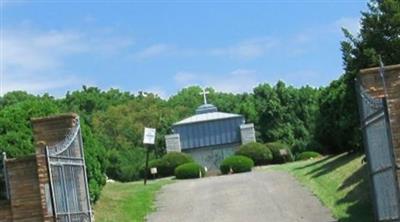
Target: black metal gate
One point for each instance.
(68, 181)
(379, 151)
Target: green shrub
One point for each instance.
(315, 146)
(157, 163)
(189, 170)
(167, 164)
(258, 152)
(276, 148)
(238, 164)
(299, 147)
(308, 155)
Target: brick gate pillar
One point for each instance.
(47, 132)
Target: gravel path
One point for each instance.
(249, 197)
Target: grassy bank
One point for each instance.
(127, 201)
(340, 182)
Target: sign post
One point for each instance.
(148, 139)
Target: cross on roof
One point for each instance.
(204, 93)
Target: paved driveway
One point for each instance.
(258, 196)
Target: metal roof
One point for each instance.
(209, 128)
(207, 117)
(207, 112)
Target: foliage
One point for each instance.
(285, 113)
(238, 164)
(95, 159)
(338, 124)
(170, 161)
(16, 137)
(258, 152)
(167, 164)
(340, 182)
(126, 164)
(120, 128)
(128, 201)
(308, 155)
(276, 148)
(156, 163)
(189, 171)
(89, 100)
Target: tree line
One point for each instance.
(321, 119)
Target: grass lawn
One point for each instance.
(340, 182)
(127, 201)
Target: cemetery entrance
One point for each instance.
(50, 185)
(69, 189)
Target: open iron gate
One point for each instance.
(68, 181)
(379, 151)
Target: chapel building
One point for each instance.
(210, 136)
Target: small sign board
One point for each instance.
(149, 135)
(153, 170)
(283, 152)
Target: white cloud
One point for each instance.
(35, 84)
(247, 49)
(312, 38)
(185, 78)
(154, 51)
(33, 51)
(237, 81)
(36, 60)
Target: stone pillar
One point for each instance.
(173, 143)
(247, 133)
(372, 81)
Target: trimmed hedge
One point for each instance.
(167, 164)
(172, 160)
(308, 155)
(258, 152)
(189, 171)
(238, 164)
(275, 148)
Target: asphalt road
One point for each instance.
(249, 197)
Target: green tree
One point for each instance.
(16, 137)
(338, 124)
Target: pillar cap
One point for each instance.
(55, 117)
(375, 70)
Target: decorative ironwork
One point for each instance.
(66, 143)
(372, 102)
(68, 181)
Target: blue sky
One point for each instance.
(159, 46)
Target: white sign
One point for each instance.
(173, 143)
(283, 152)
(153, 170)
(149, 135)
